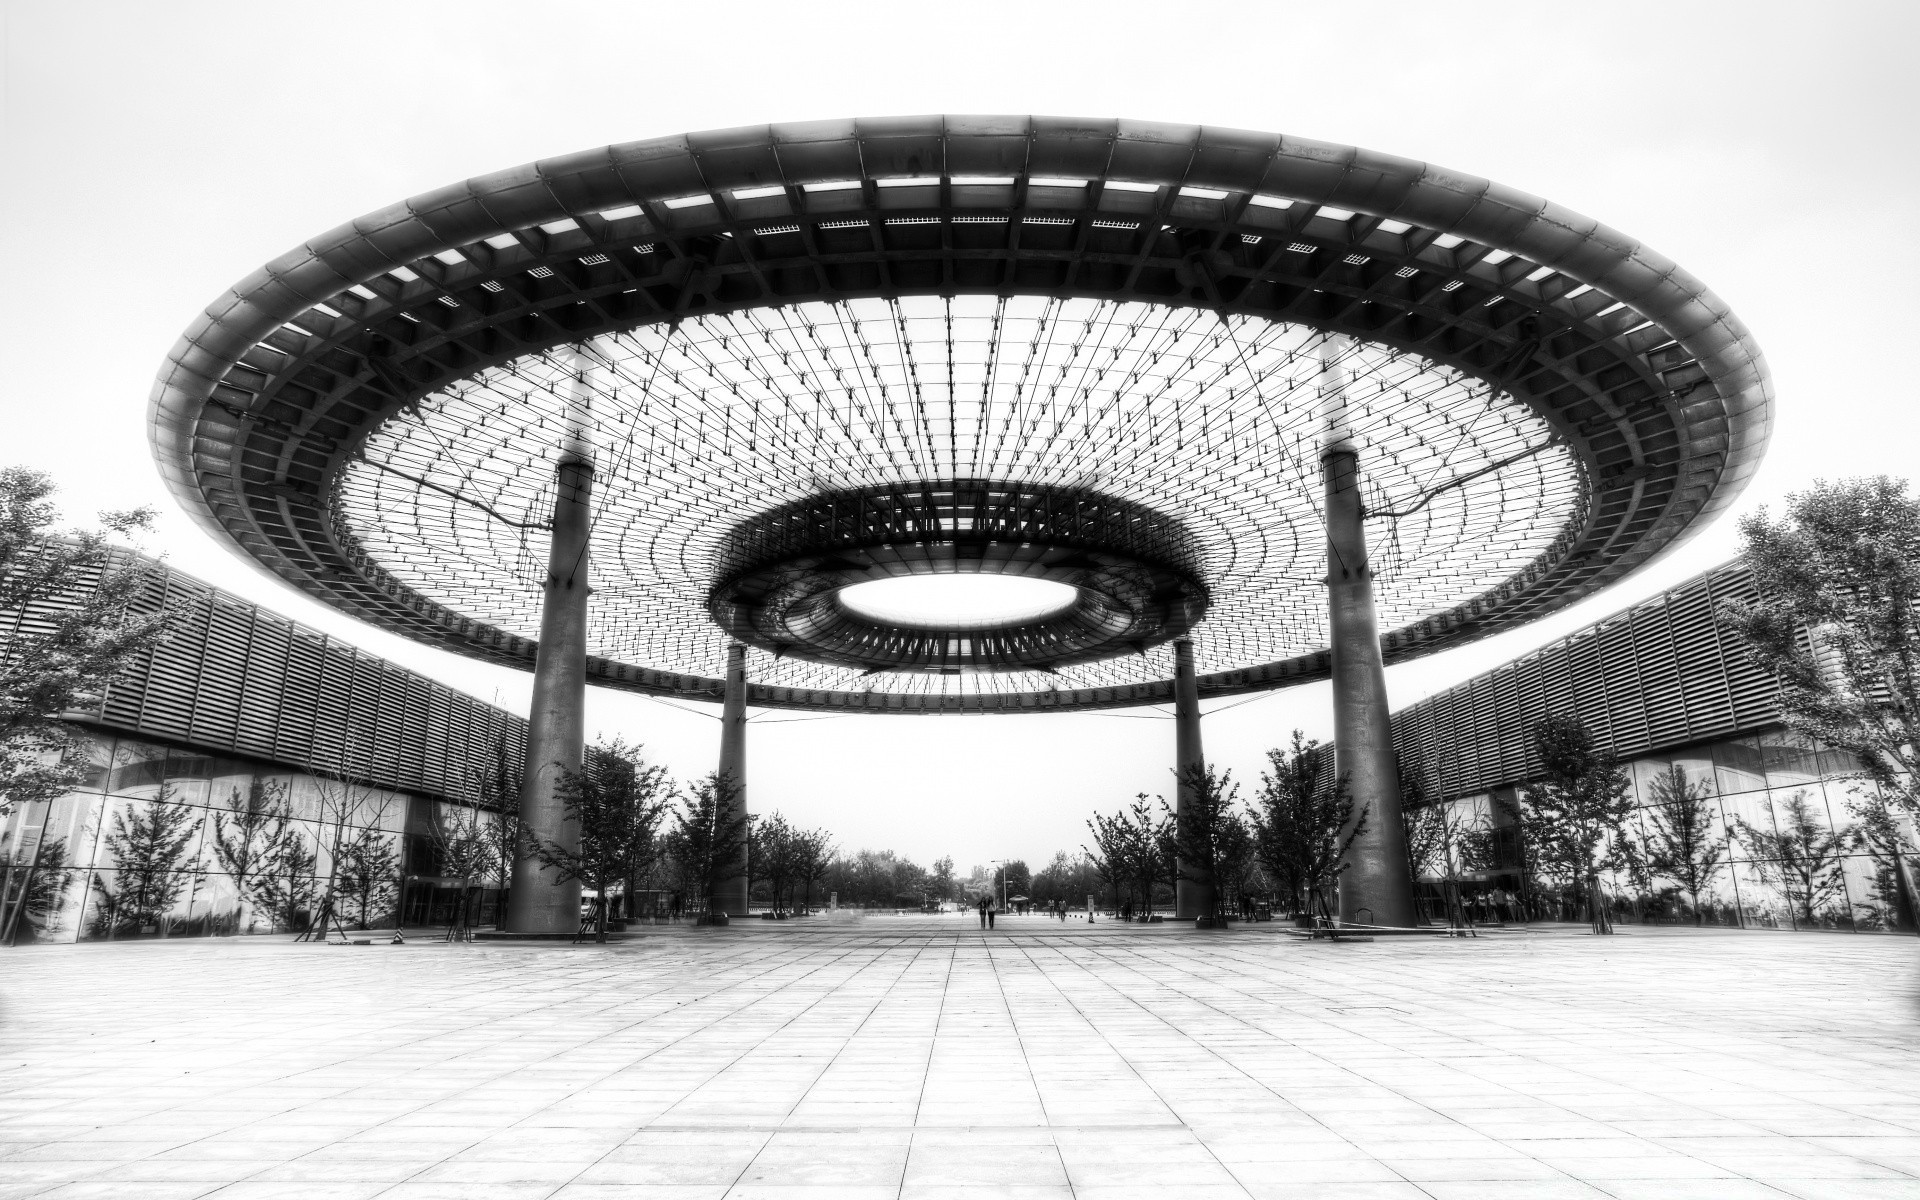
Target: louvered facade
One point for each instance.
(238, 679)
(1665, 674)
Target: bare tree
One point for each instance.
(350, 813)
(464, 849)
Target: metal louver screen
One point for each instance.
(236, 679)
(1663, 674)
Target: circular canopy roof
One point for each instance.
(1099, 352)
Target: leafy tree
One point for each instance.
(1800, 854)
(1012, 879)
(1682, 842)
(618, 800)
(288, 886)
(365, 876)
(1580, 807)
(1135, 846)
(150, 847)
(1304, 823)
(1113, 850)
(463, 849)
(247, 837)
(1837, 622)
(1212, 798)
(943, 879)
(773, 847)
(812, 859)
(88, 607)
(1880, 835)
(707, 829)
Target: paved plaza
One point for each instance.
(920, 1058)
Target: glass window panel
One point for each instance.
(51, 904)
(96, 761)
(1790, 758)
(1738, 767)
(1644, 772)
(149, 852)
(188, 776)
(1871, 888)
(1750, 810)
(138, 768)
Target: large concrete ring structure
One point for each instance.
(756, 321)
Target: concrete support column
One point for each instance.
(1376, 887)
(557, 725)
(731, 896)
(1193, 888)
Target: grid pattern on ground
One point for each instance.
(919, 1058)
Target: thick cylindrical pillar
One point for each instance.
(1193, 888)
(730, 896)
(1376, 887)
(557, 725)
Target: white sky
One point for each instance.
(156, 153)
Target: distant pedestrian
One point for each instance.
(980, 902)
(990, 914)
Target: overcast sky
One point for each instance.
(154, 154)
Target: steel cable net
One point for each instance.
(1215, 421)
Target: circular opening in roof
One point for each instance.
(947, 601)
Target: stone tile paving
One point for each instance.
(921, 1059)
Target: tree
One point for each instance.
(349, 812)
(1580, 806)
(247, 837)
(773, 846)
(365, 875)
(1115, 846)
(1880, 835)
(1801, 855)
(1304, 823)
(1212, 797)
(617, 799)
(463, 849)
(707, 829)
(1837, 622)
(812, 859)
(1682, 842)
(91, 625)
(943, 879)
(150, 847)
(1012, 879)
(34, 886)
(1234, 859)
(287, 887)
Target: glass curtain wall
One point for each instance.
(1788, 842)
(170, 841)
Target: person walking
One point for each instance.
(990, 913)
(980, 902)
